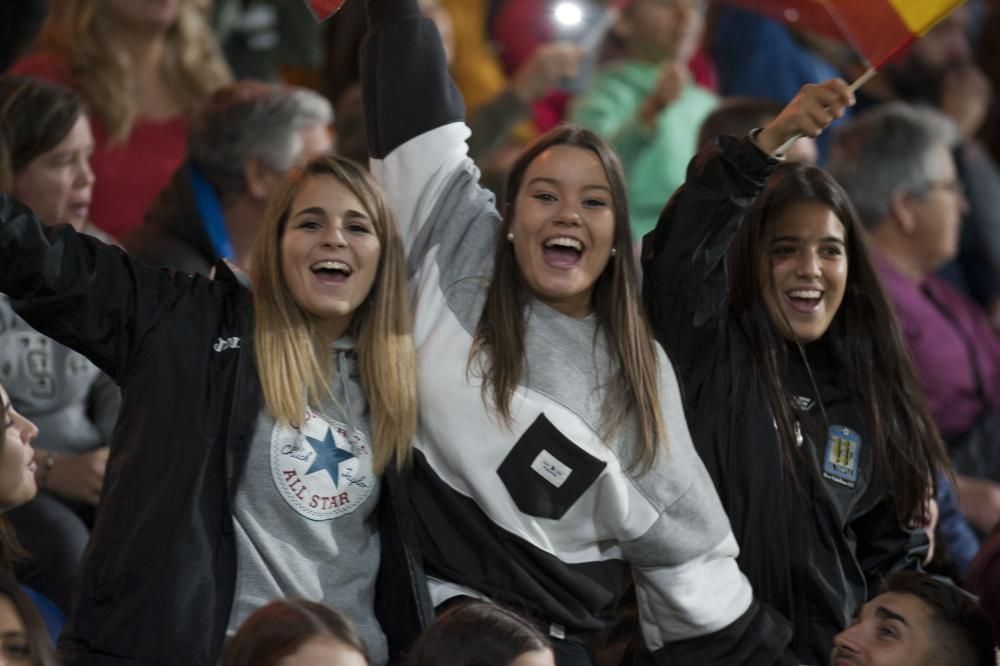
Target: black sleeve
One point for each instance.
(885, 545)
(405, 80)
(760, 637)
(683, 258)
(85, 294)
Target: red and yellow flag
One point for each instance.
(877, 29)
(324, 9)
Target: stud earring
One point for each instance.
(510, 236)
(614, 251)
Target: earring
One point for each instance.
(510, 236)
(614, 251)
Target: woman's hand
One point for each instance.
(808, 114)
(75, 477)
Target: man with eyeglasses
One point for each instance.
(896, 163)
(917, 620)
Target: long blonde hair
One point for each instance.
(80, 32)
(286, 339)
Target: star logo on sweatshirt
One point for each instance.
(328, 456)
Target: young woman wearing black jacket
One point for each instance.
(253, 457)
(798, 389)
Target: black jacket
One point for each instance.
(159, 573)
(813, 554)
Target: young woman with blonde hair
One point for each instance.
(142, 68)
(260, 432)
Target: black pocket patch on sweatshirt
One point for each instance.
(546, 473)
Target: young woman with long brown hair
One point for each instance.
(552, 462)
(257, 427)
(799, 390)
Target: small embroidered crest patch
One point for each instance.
(840, 464)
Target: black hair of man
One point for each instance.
(962, 632)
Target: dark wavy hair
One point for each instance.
(499, 336)
(864, 336)
(476, 633)
(280, 628)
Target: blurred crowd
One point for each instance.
(763, 403)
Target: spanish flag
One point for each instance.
(877, 29)
(324, 9)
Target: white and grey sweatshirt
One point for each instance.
(543, 515)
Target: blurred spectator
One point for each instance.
(44, 162)
(270, 40)
(895, 161)
(989, 60)
(241, 144)
(142, 68)
(646, 105)
(917, 619)
(19, 23)
(939, 70)
(492, 121)
(480, 633)
(296, 632)
(23, 638)
(738, 116)
(757, 57)
(476, 67)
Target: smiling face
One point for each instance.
(564, 227)
(57, 184)
(808, 271)
(893, 629)
(330, 253)
(17, 467)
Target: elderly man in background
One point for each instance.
(241, 144)
(896, 163)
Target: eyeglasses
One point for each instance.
(954, 186)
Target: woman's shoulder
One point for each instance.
(46, 65)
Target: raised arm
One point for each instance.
(71, 287)
(683, 258)
(414, 112)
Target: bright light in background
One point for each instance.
(569, 14)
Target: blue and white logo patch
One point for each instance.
(843, 450)
(322, 470)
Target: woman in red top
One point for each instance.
(142, 67)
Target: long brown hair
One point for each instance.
(80, 31)
(280, 628)
(499, 339)
(286, 338)
(864, 335)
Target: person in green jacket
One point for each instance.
(646, 105)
